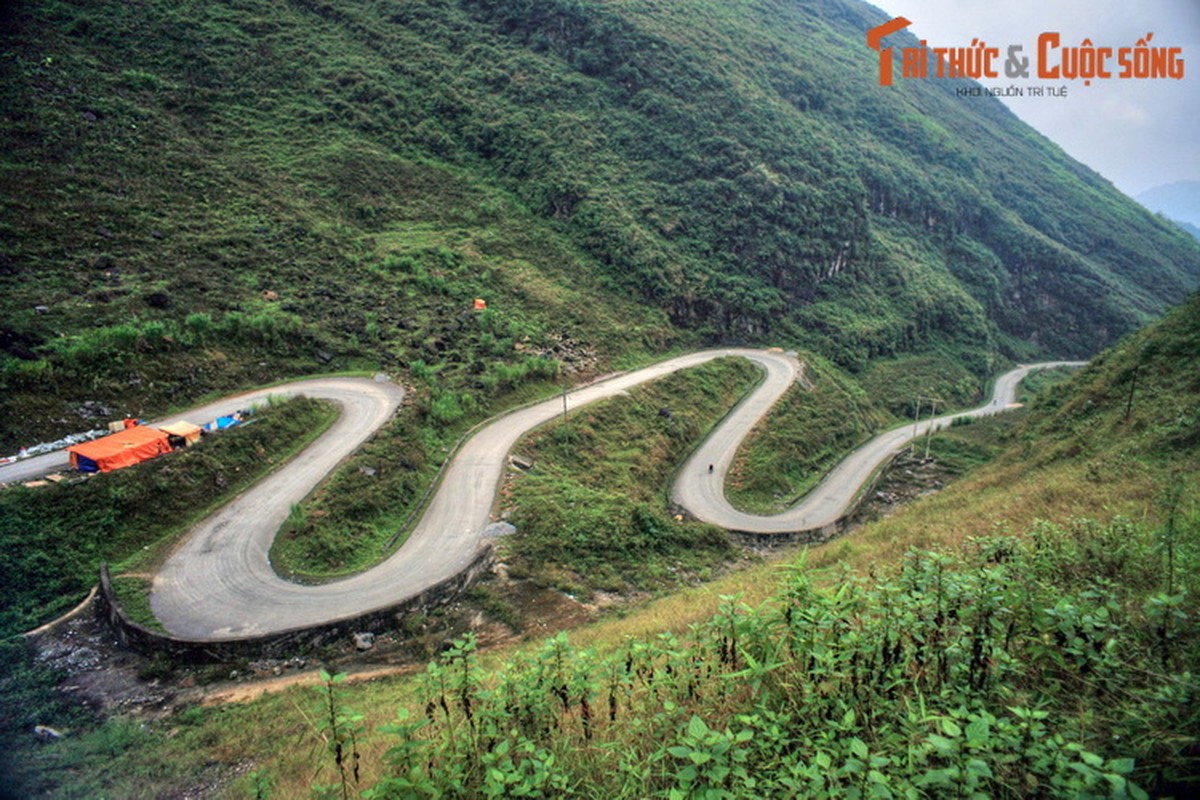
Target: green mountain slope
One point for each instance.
(1026, 632)
(197, 196)
(1140, 399)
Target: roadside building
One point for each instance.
(182, 433)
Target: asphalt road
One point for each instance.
(335, 389)
(219, 584)
(703, 494)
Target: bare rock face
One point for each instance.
(97, 671)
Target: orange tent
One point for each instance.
(124, 449)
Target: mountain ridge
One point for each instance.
(627, 177)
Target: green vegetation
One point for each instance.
(1139, 401)
(1040, 380)
(1054, 664)
(133, 594)
(958, 646)
(202, 196)
(186, 182)
(1078, 455)
(1050, 663)
(811, 428)
(591, 514)
(365, 511)
(30, 695)
(53, 538)
(898, 383)
(94, 765)
(971, 442)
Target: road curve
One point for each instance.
(703, 495)
(335, 389)
(219, 583)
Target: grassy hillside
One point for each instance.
(197, 196)
(592, 513)
(1027, 632)
(812, 427)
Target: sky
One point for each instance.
(1137, 133)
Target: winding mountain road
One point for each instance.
(219, 584)
(703, 494)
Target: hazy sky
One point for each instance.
(1137, 133)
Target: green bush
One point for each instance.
(1008, 670)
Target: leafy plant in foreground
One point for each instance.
(340, 728)
(1004, 670)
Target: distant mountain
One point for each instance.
(1179, 200)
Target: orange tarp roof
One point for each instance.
(186, 430)
(123, 449)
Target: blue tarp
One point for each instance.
(221, 423)
(85, 464)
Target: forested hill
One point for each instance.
(197, 194)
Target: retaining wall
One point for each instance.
(284, 643)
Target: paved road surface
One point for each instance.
(219, 584)
(335, 389)
(703, 494)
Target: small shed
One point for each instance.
(130, 446)
(182, 433)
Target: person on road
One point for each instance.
(710, 466)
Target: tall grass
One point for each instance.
(1011, 668)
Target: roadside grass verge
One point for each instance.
(954, 381)
(810, 430)
(133, 593)
(53, 538)
(1042, 380)
(365, 511)
(591, 513)
(973, 441)
(807, 432)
